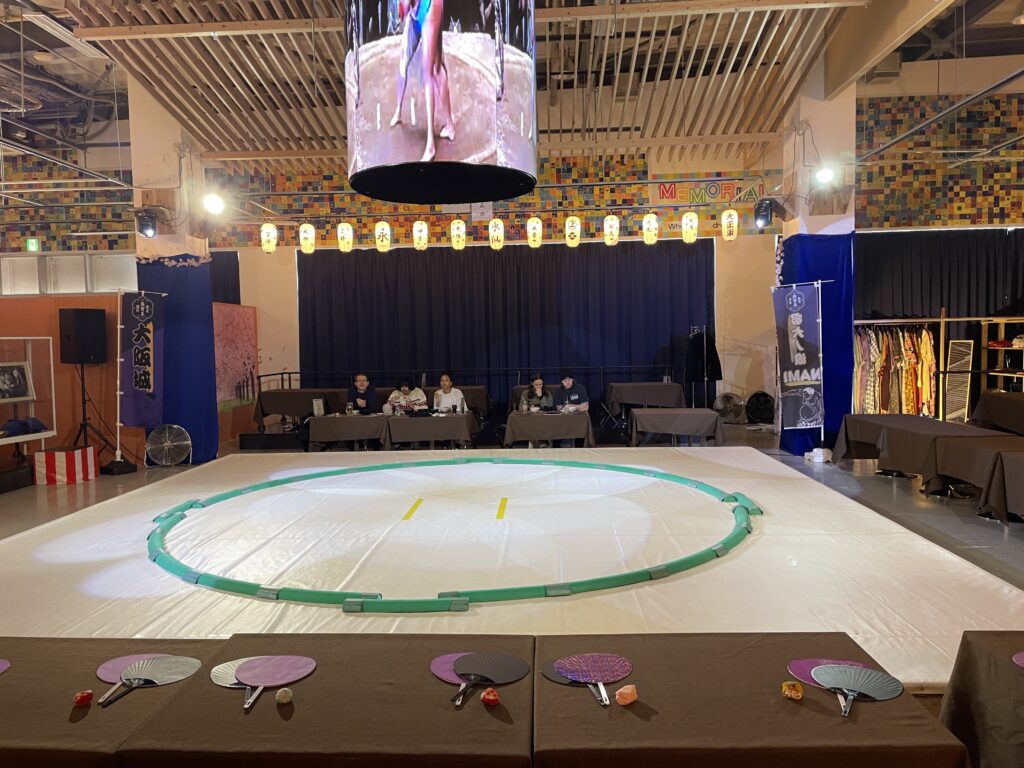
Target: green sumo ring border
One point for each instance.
(362, 602)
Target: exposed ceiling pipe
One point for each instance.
(25, 149)
(943, 115)
(981, 153)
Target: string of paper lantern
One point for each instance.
(572, 230)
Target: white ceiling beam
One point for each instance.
(867, 35)
(210, 29)
(670, 7)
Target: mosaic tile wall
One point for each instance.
(64, 213)
(592, 187)
(927, 194)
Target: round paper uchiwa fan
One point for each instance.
(150, 673)
(224, 674)
(443, 667)
(110, 671)
(487, 668)
(801, 668)
(857, 682)
(272, 671)
(548, 670)
(1018, 659)
(168, 445)
(4, 665)
(595, 669)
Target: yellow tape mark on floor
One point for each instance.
(412, 509)
(501, 508)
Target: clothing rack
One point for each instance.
(942, 321)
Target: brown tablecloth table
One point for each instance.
(984, 701)
(535, 427)
(407, 429)
(1000, 410)
(976, 461)
(901, 443)
(372, 701)
(714, 701)
(333, 429)
(298, 403)
(1004, 494)
(38, 726)
(692, 422)
(645, 393)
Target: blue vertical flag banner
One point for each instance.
(797, 323)
(142, 357)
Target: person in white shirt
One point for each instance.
(407, 398)
(448, 397)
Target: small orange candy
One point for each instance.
(792, 690)
(490, 697)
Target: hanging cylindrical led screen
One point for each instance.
(441, 100)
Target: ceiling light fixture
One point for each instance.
(825, 175)
(145, 222)
(763, 213)
(214, 203)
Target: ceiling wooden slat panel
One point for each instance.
(648, 73)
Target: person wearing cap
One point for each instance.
(571, 393)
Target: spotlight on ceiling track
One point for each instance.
(145, 222)
(825, 175)
(763, 213)
(214, 203)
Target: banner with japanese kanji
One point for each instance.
(142, 348)
(797, 323)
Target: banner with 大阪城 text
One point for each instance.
(142, 340)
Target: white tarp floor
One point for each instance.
(817, 561)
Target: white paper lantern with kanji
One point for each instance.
(496, 234)
(382, 236)
(691, 223)
(573, 231)
(650, 228)
(420, 235)
(346, 237)
(534, 232)
(730, 225)
(307, 238)
(458, 233)
(268, 237)
(611, 229)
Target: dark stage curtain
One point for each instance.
(827, 258)
(190, 369)
(518, 308)
(972, 273)
(224, 277)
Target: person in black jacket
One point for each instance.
(362, 396)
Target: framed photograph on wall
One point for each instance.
(16, 382)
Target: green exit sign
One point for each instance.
(32, 244)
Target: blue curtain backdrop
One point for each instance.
(519, 308)
(190, 368)
(826, 257)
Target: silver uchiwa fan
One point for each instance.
(857, 683)
(168, 445)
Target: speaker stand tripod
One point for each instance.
(117, 466)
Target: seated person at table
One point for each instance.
(362, 396)
(407, 398)
(571, 393)
(448, 397)
(537, 395)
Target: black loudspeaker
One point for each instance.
(83, 336)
